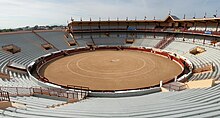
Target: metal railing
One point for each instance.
(17, 91)
(81, 91)
(56, 92)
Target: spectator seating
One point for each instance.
(56, 38)
(201, 102)
(208, 56)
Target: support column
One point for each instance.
(161, 83)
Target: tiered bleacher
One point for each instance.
(154, 105)
(188, 103)
(46, 102)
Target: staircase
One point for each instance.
(165, 42)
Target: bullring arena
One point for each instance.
(126, 68)
(112, 70)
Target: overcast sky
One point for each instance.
(19, 13)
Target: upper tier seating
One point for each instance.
(203, 28)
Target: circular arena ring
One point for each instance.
(108, 69)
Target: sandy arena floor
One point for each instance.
(112, 70)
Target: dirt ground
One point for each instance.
(112, 70)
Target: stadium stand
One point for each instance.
(188, 103)
(55, 38)
(197, 102)
(197, 60)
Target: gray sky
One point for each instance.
(18, 13)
